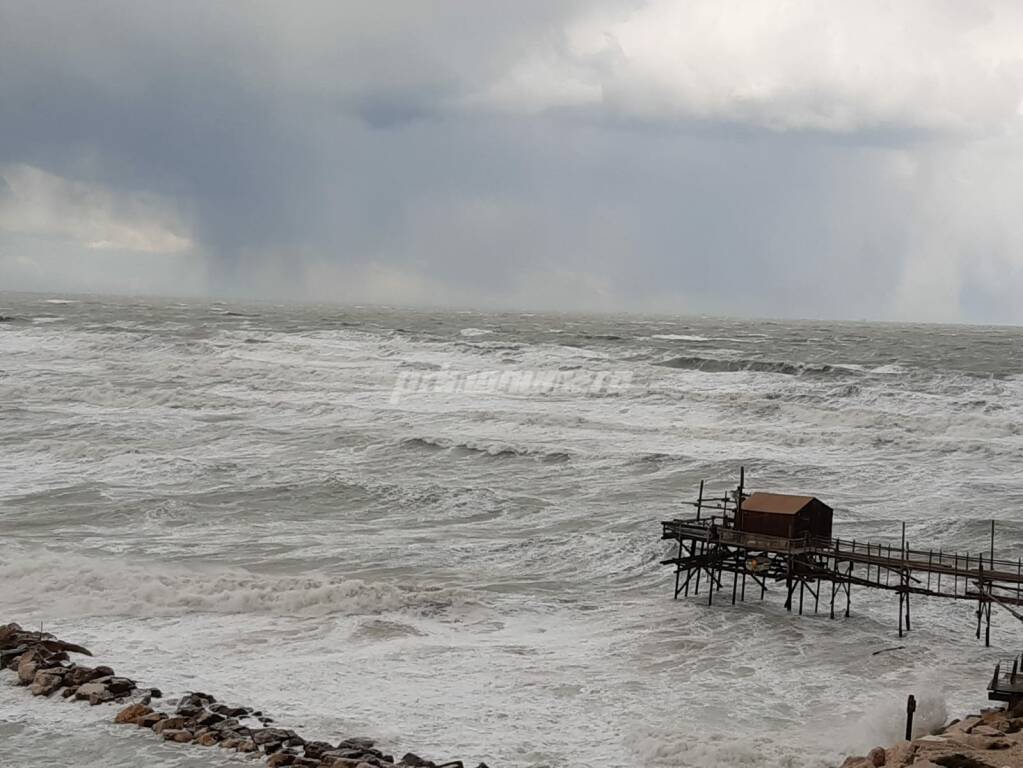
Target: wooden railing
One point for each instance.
(976, 565)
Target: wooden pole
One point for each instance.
(909, 627)
(699, 566)
(735, 576)
(692, 556)
(987, 631)
(736, 522)
(907, 576)
(848, 590)
(788, 586)
(738, 499)
(980, 597)
(699, 507)
(901, 598)
(710, 573)
(678, 565)
(744, 569)
(985, 605)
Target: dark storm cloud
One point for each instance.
(490, 153)
(219, 107)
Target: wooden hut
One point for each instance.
(784, 516)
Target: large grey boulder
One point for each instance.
(28, 664)
(47, 681)
(94, 693)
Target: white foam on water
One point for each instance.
(60, 586)
(885, 722)
(41, 732)
(678, 337)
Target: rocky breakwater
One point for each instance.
(991, 739)
(43, 664)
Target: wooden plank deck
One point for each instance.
(1007, 683)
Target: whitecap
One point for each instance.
(678, 337)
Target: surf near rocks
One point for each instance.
(991, 739)
(42, 663)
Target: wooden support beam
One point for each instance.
(711, 580)
(689, 573)
(698, 570)
(902, 596)
(980, 600)
(985, 602)
(834, 591)
(735, 576)
(908, 623)
(788, 586)
(987, 631)
(678, 568)
(848, 590)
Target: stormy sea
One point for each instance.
(441, 529)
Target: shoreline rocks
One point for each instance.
(42, 664)
(991, 739)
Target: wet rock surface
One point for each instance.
(42, 663)
(991, 739)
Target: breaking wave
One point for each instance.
(493, 450)
(679, 337)
(63, 586)
(718, 365)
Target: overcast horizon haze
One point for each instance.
(799, 159)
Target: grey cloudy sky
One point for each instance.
(801, 157)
